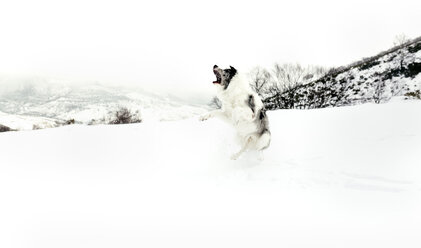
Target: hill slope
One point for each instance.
(337, 177)
(395, 72)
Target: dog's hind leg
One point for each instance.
(243, 149)
(264, 141)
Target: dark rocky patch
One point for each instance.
(5, 129)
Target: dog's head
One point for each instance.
(223, 76)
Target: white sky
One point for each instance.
(174, 44)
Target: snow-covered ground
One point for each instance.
(22, 122)
(336, 177)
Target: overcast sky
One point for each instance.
(174, 44)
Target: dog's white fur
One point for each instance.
(236, 110)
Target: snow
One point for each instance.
(19, 122)
(335, 177)
(377, 79)
(44, 102)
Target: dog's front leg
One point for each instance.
(211, 114)
(243, 149)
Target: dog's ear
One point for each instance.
(233, 70)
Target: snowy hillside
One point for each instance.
(45, 103)
(21, 122)
(335, 177)
(393, 73)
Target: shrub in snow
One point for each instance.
(44, 124)
(69, 122)
(125, 116)
(35, 127)
(5, 128)
(122, 115)
(414, 94)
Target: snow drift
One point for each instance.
(338, 177)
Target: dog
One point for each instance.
(243, 108)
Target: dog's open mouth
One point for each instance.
(218, 77)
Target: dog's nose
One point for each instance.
(215, 66)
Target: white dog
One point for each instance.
(243, 108)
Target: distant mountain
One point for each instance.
(40, 103)
(393, 73)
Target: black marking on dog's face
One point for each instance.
(224, 76)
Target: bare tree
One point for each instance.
(396, 88)
(288, 75)
(215, 103)
(401, 39)
(276, 86)
(379, 90)
(313, 73)
(261, 80)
